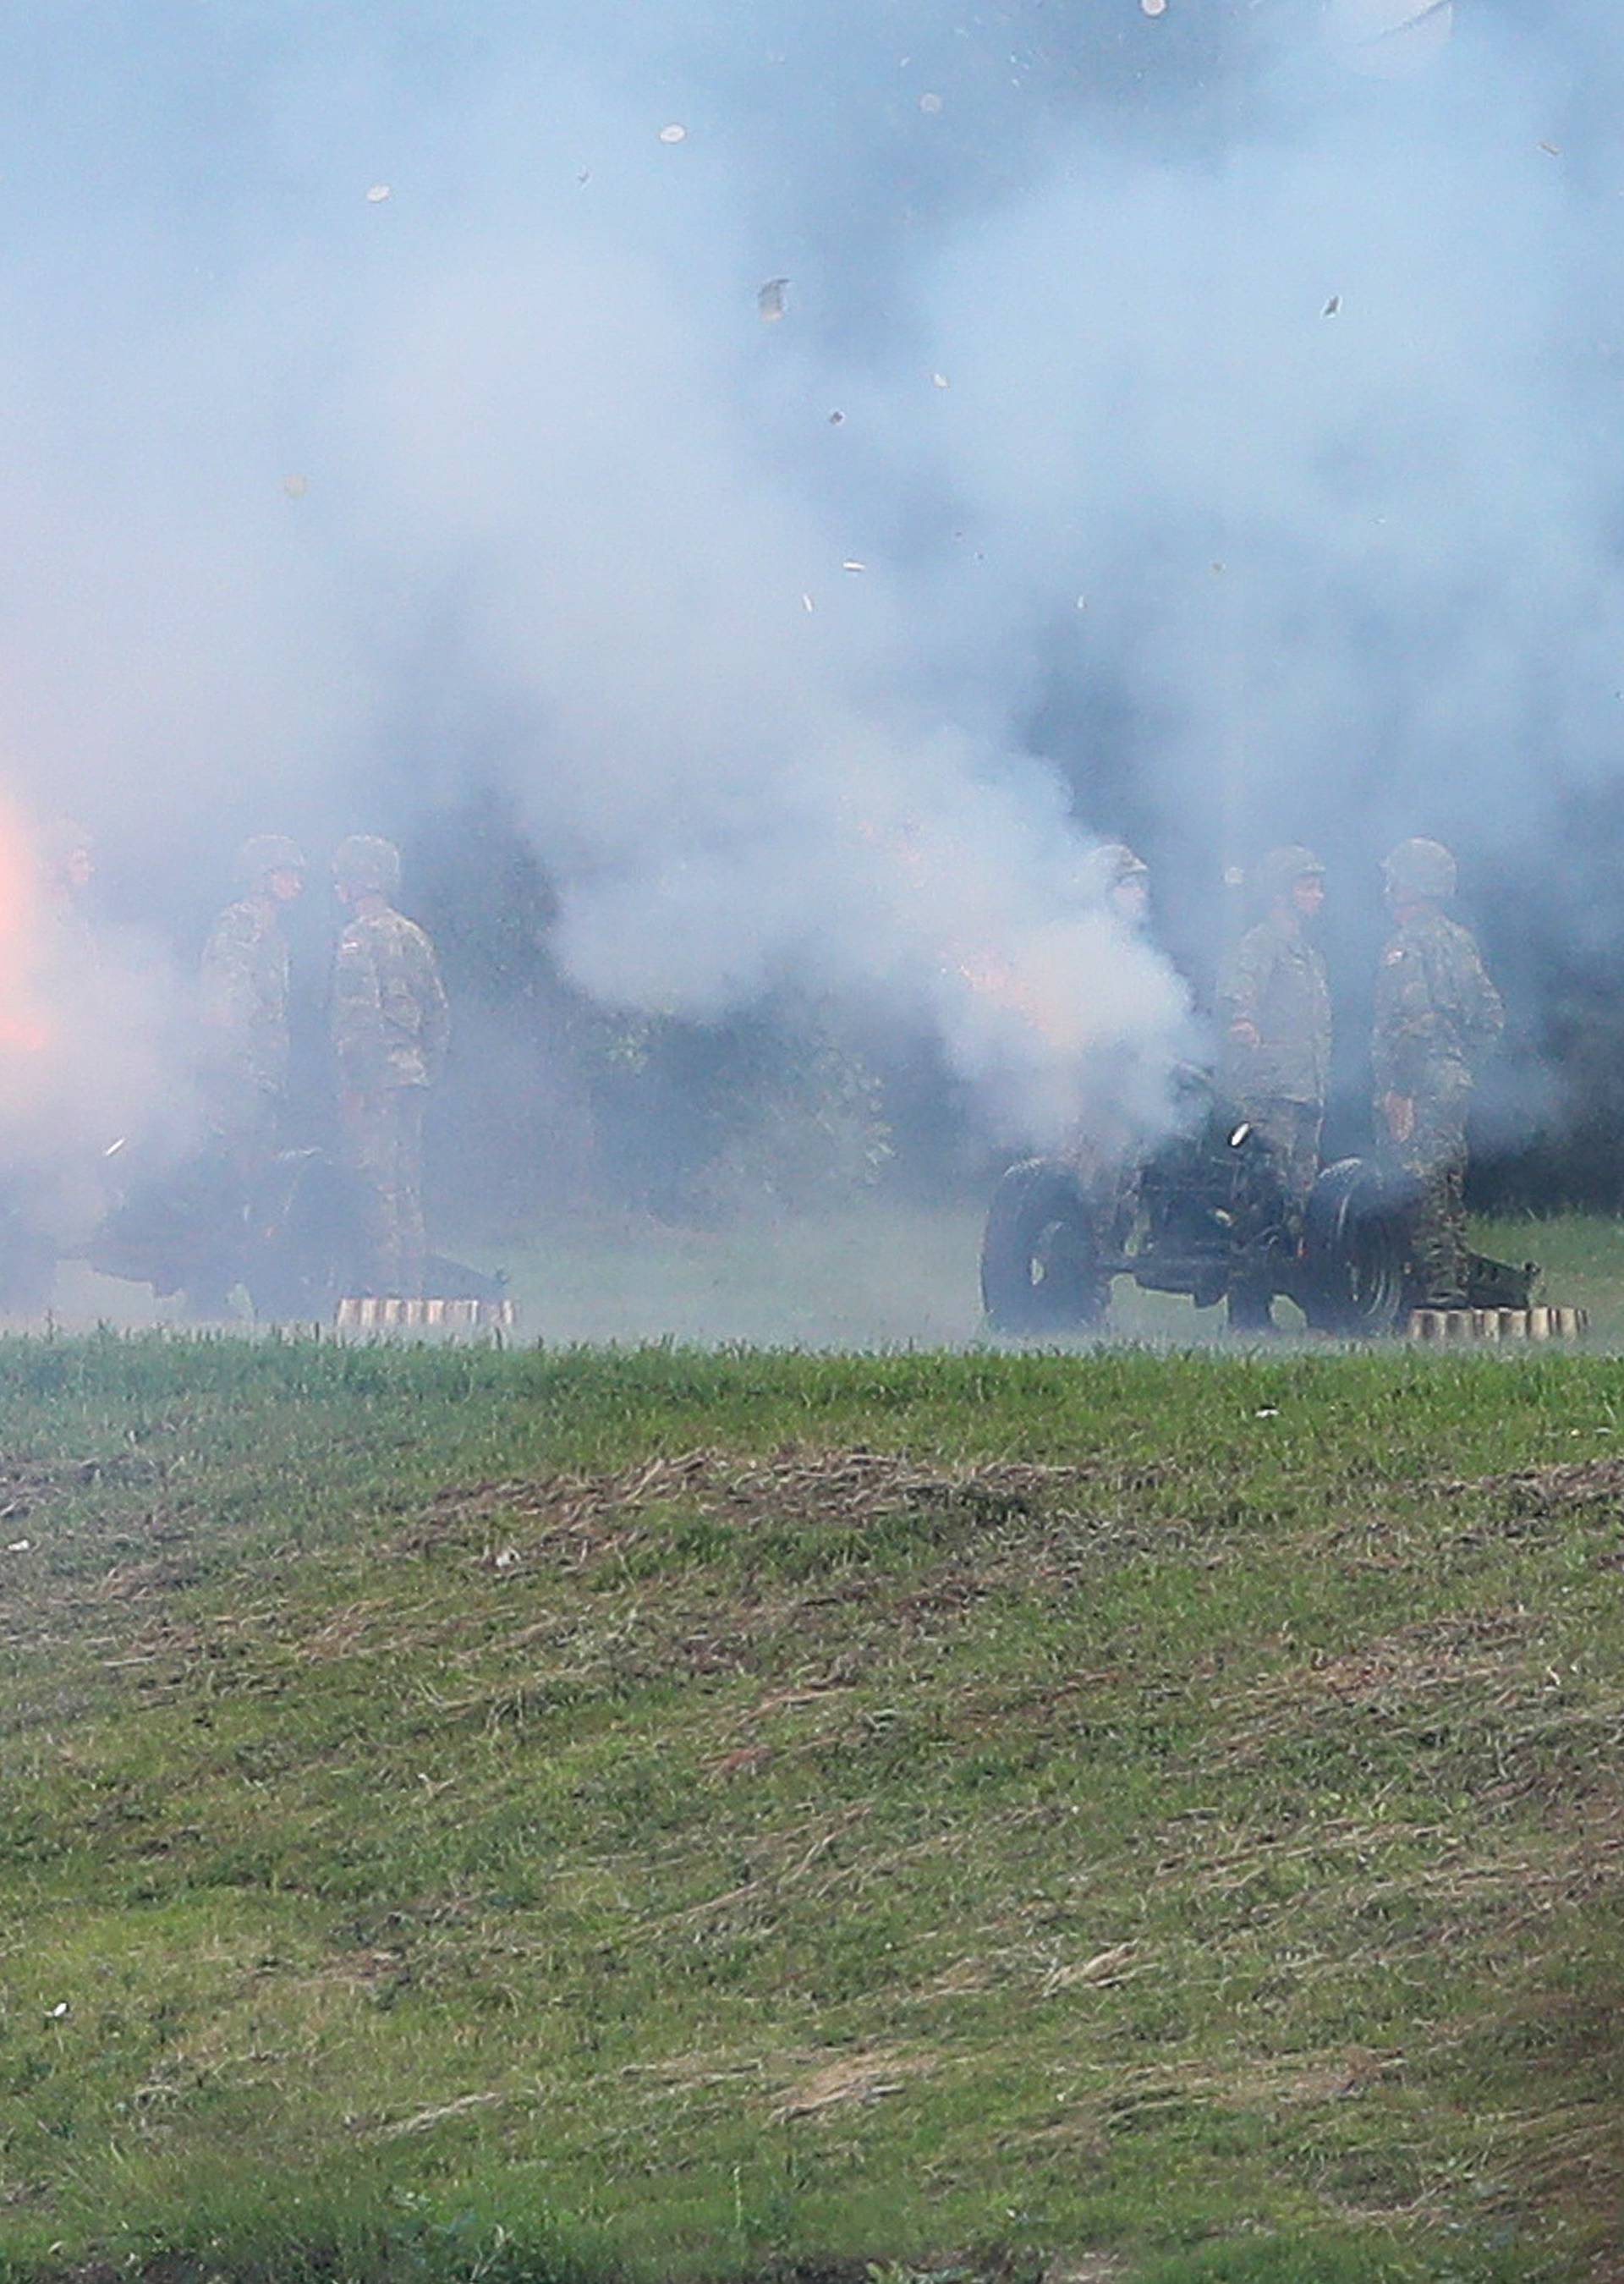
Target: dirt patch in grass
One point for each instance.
(1485, 1652)
(26, 1484)
(1579, 1483)
(24, 1488)
(852, 2077)
(584, 1516)
(572, 1523)
(810, 1542)
(1440, 1653)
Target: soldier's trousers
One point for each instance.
(1291, 1133)
(383, 1144)
(1434, 1158)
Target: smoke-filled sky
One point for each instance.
(389, 406)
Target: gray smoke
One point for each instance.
(388, 399)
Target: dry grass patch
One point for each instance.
(583, 1518)
(1479, 1651)
(859, 2078)
(1580, 1482)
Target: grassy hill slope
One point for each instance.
(466, 1815)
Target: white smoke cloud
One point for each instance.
(737, 766)
(1281, 430)
(1305, 426)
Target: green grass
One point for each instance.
(1200, 1863)
(880, 1274)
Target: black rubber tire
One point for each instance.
(1040, 1254)
(1355, 1270)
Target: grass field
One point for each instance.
(887, 1275)
(557, 1815)
(878, 1275)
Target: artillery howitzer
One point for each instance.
(1207, 1214)
(290, 1234)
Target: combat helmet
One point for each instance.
(1420, 868)
(1281, 869)
(264, 853)
(364, 862)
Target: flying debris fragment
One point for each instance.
(1333, 307)
(674, 134)
(1154, 7)
(773, 300)
(295, 487)
(854, 566)
(378, 192)
(939, 380)
(1388, 39)
(584, 176)
(835, 420)
(930, 105)
(806, 603)
(1552, 150)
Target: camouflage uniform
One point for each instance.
(1438, 1018)
(245, 1003)
(1275, 982)
(390, 1030)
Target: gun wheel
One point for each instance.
(1355, 1266)
(1041, 1269)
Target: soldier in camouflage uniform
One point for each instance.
(1438, 1019)
(390, 1030)
(245, 1001)
(1275, 1005)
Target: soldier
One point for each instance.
(390, 1030)
(245, 1000)
(1438, 1019)
(1275, 1007)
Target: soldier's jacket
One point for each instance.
(244, 989)
(1438, 1017)
(1275, 979)
(390, 1022)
